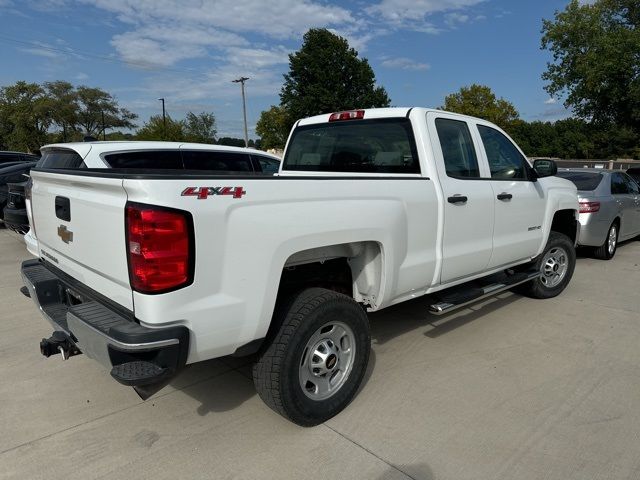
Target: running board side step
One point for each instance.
(449, 303)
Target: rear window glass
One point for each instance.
(217, 161)
(358, 146)
(61, 159)
(149, 159)
(585, 181)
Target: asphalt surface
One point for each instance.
(511, 389)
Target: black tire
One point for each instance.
(541, 287)
(603, 252)
(277, 373)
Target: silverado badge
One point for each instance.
(64, 234)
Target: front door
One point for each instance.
(468, 200)
(519, 202)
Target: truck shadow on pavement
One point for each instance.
(231, 385)
(412, 315)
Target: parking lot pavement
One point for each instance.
(511, 389)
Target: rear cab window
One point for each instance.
(146, 159)
(384, 145)
(60, 158)
(216, 161)
(207, 160)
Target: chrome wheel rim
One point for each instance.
(612, 240)
(327, 360)
(554, 267)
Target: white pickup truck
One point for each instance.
(149, 270)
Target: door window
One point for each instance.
(459, 154)
(505, 160)
(618, 184)
(632, 186)
(268, 165)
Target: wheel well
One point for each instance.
(354, 269)
(331, 274)
(564, 221)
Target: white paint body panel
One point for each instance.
(425, 244)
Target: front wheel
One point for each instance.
(312, 367)
(556, 265)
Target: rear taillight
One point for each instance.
(589, 207)
(160, 248)
(350, 115)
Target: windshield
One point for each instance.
(358, 146)
(585, 181)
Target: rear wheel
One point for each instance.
(313, 365)
(607, 250)
(556, 265)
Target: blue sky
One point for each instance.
(188, 51)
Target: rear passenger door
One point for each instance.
(519, 202)
(634, 188)
(621, 191)
(468, 199)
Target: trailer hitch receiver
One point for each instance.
(58, 342)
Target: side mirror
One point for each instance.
(545, 168)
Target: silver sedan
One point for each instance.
(609, 208)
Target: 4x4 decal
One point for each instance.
(203, 192)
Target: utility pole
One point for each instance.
(164, 121)
(241, 81)
(104, 135)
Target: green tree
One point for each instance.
(200, 128)
(64, 109)
(596, 60)
(326, 75)
(232, 142)
(25, 116)
(154, 129)
(480, 101)
(273, 127)
(95, 104)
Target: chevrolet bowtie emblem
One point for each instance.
(64, 234)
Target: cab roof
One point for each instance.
(99, 147)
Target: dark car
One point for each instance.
(14, 173)
(14, 157)
(634, 172)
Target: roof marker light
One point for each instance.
(348, 115)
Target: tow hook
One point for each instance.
(58, 342)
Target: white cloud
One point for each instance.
(550, 101)
(404, 63)
(277, 18)
(455, 18)
(413, 14)
(81, 76)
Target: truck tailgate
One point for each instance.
(80, 225)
